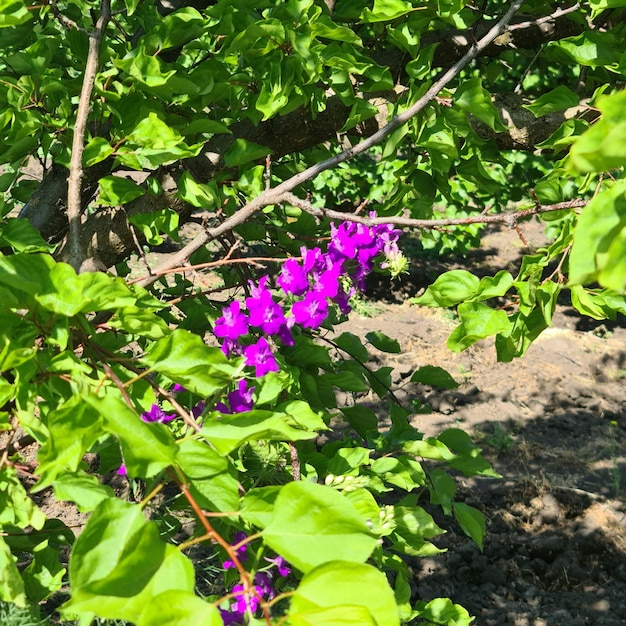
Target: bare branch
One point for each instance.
(74, 205)
(509, 218)
(275, 195)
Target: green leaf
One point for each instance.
(443, 612)
(478, 321)
(11, 583)
(353, 345)
(83, 489)
(147, 448)
(115, 190)
(450, 289)
(400, 472)
(44, 574)
(361, 418)
(442, 489)
(313, 524)
(591, 48)
(214, 481)
(22, 236)
(383, 342)
(13, 13)
(599, 247)
(413, 526)
(471, 520)
(119, 564)
(196, 194)
(184, 358)
(342, 615)
(346, 585)
(558, 99)
(386, 10)
(156, 222)
(434, 376)
(243, 151)
(227, 432)
(257, 505)
(472, 98)
(601, 147)
(96, 150)
(179, 608)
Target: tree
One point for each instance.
(262, 124)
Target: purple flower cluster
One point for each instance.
(313, 283)
(263, 585)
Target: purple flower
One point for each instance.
(233, 323)
(246, 602)
(263, 582)
(265, 313)
(284, 334)
(177, 388)
(197, 410)
(122, 471)
(281, 565)
(327, 283)
(157, 414)
(260, 356)
(342, 245)
(311, 311)
(293, 278)
(240, 400)
(240, 551)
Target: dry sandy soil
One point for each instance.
(553, 424)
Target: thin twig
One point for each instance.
(509, 218)
(274, 196)
(74, 181)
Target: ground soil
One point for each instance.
(553, 424)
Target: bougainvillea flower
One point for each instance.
(265, 312)
(157, 414)
(311, 311)
(233, 323)
(261, 357)
(281, 565)
(293, 278)
(240, 551)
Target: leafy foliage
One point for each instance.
(272, 126)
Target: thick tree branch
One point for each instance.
(74, 252)
(275, 195)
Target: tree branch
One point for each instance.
(276, 195)
(74, 204)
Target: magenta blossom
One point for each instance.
(310, 312)
(261, 357)
(233, 323)
(157, 414)
(239, 401)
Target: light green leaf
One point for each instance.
(347, 585)
(196, 194)
(227, 432)
(471, 520)
(601, 147)
(243, 151)
(313, 524)
(179, 608)
(386, 10)
(443, 612)
(599, 248)
(591, 48)
(96, 150)
(11, 583)
(478, 321)
(450, 289)
(83, 489)
(187, 360)
(343, 615)
(13, 13)
(115, 191)
(257, 505)
(119, 564)
(156, 222)
(22, 236)
(558, 99)
(147, 448)
(472, 98)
